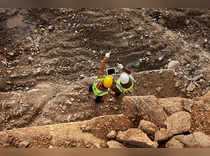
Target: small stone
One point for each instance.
(191, 87)
(50, 27)
(196, 45)
(112, 135)
(24, 144)
(9, 82)
(30, 59)
(160, 58)
(97, 145)
(158, 89)
(177, 84)
(116, 108)
(202, 81)
(148, 53)
(88, 145)
(77, 87)
(11, 54)
(50, 146)
(173, 64)
(85, 128)
(187, 104)
(187, 22)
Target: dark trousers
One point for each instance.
(117, 94)
(98, 98)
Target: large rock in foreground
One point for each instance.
(89, 133)
(179, 122)
(162, 135)
(115, 144)
(145, 107)
(173, 143)
(197, 139)
(161, 83)
(175, 104)
(136, 137)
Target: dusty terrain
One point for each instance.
(48, 57)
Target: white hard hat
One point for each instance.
(124, 78)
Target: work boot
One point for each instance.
(99, 99)
(117, 94)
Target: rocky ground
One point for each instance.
(48, 57)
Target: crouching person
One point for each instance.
(124, 83)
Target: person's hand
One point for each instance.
(108, 54)
(120, 66)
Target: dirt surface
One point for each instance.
(47, 56)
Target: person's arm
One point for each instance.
(112, 92)
(102, 66)
(130, 72)
(125, 69)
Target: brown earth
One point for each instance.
(48, 55)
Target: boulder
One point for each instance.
(187, 140)
(202, 139)
(171, 105)
(163, 80)
(173, 143)
(136, 137)
(115, 144)
(66, 134)
(197, 139)
(103, 125)
(148, 127)
(145, 107)
(175, 104)
(162, 134)
(179, 122)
